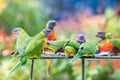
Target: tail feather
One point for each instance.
(77, 56)
(18, 64)
(11, 60)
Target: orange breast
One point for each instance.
(106, 45)
(52, 35)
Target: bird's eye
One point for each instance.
(82, 47)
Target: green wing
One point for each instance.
(69, 50)
(58, 43)
(63, 43)
(116, 42)
(73, 43)
(22, 42)
(35, 45)
(88, 48)
(50, 48)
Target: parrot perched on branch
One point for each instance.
(88, 48)
(52, 36)
(69, 47)
(108, 43)
(34, 48)
(22, 41)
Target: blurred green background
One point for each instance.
(73, 17)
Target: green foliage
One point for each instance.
(29, 15)
(113, 22)
(100, 72)
(116, 75)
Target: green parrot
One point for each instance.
(71, 50)
(66, 46)
(69, 47)
(22, 41)
(34, 48)
(88, 48)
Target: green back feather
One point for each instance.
(89, 48)
(116, 42)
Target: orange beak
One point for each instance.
(55, 24)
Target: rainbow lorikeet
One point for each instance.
(108, 43)
(52, 36)
(50, 25)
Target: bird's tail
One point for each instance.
(18, 64)
(77, 56)
(11, 60)
(13, 56)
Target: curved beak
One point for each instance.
(55, 24)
